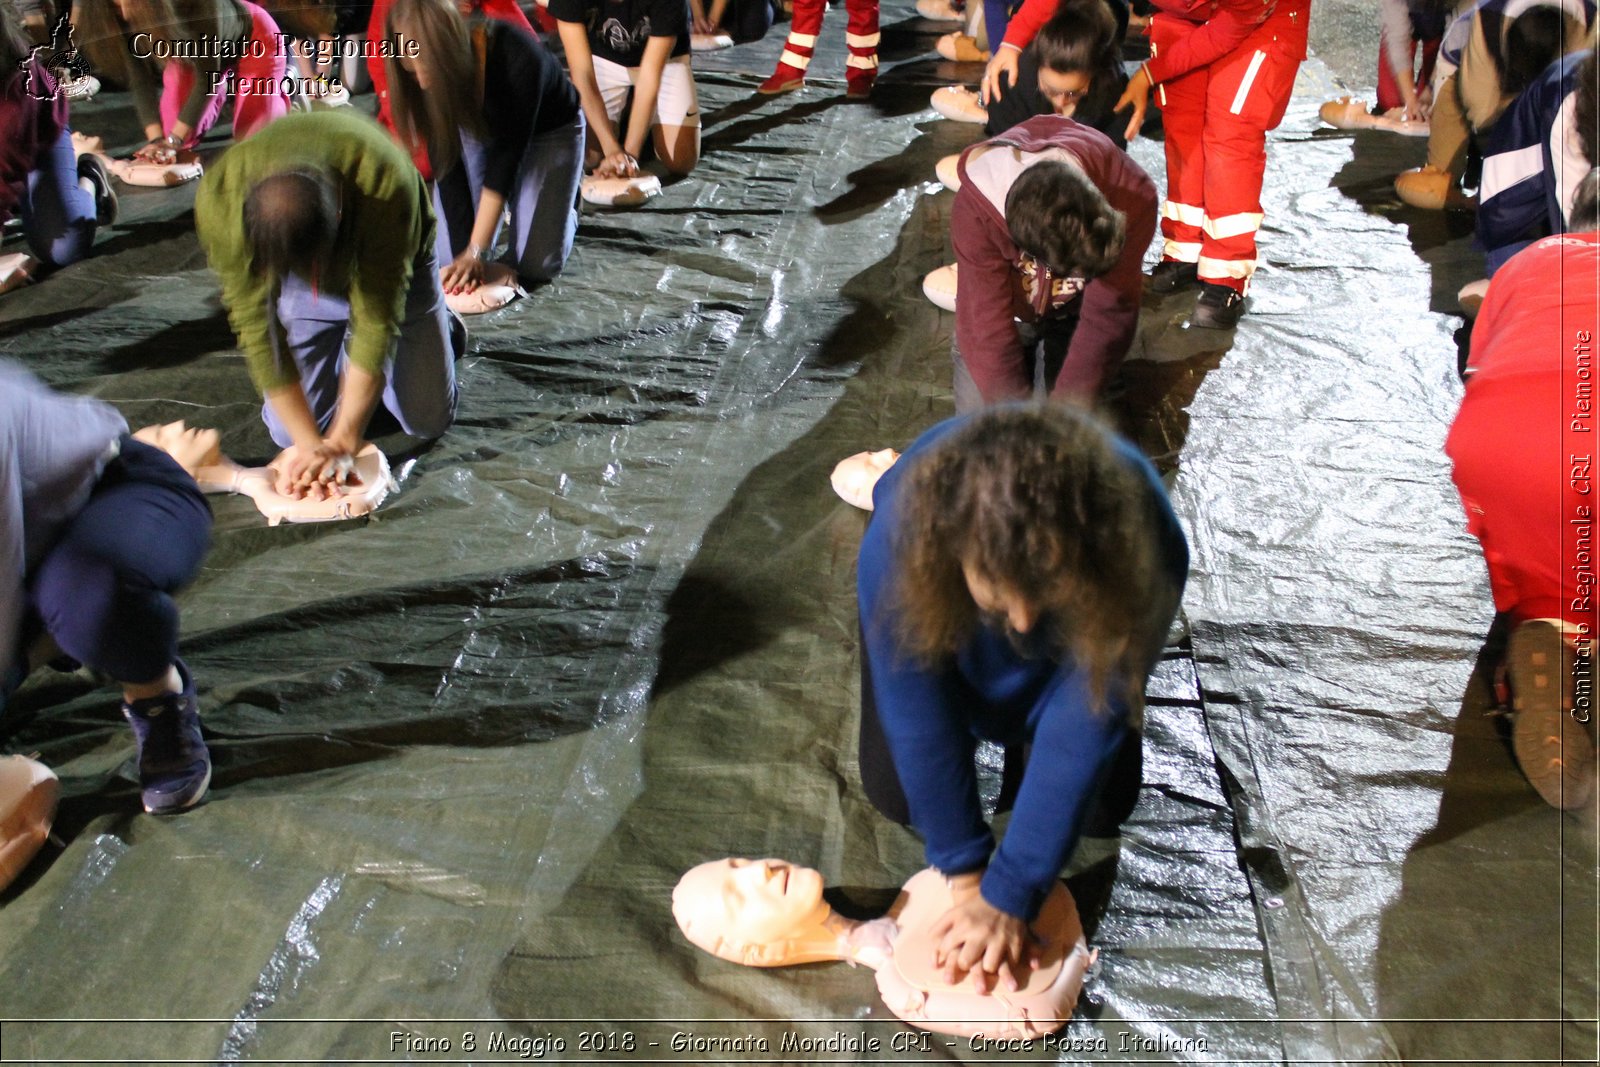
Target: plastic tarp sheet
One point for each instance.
(606, 630)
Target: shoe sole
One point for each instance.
(779, 90)
(173, 809)
(1541, 697)
(1205, 318)
(103, 179)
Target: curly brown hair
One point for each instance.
(1037, 500)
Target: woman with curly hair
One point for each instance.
(1016, 585)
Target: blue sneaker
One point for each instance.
(174, 763)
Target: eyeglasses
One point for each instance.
(1072, 95)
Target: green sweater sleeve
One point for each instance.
(385, 233)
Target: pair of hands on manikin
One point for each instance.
(974, 935)
(321, 463)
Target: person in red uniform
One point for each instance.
(861, 38)
(1222, 72)
(1523, 451)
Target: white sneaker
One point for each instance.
(940, 11)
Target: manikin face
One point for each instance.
(191, 447)
(993, 598)
(1063, 90)
(741, 902)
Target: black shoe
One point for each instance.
(105, 196)
(1171, 276)
(1218, 307)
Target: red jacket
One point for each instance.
(1220, 26)
(997, 284)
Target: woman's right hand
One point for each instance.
(1001, 74)
(618, 164)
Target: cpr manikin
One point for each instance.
(770, 913)
(854, 476)
(28, 795)
(199, 453)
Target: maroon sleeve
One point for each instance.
(1233, 21)
(1109, 316)
(27, 127)
(986, 332)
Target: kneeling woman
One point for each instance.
(1016, 584)
(501, 125)
(62, 200)
(237, 52)
(97, 531)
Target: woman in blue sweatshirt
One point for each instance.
(1016, 584)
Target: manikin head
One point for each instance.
(854, 476)
(192, 447)
(763, 913)
(1074, 46)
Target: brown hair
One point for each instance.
(1037, 500)
(435, 119)
(1080, 39)
(1058, 216)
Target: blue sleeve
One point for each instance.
(996, 16)
(1072, 745)
(920, 708)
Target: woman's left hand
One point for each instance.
(462, 274)
(976, 936)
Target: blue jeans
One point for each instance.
(58, 216)
(104, 590)
(544, 212)
(419, 376)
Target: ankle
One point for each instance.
(168, 683)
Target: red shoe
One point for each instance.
(786, 79)
(858, 83)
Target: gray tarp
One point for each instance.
(606, 630)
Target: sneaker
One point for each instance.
(92, 167)
(941, 10)
(174, 763)
(1219, 307)
(1553, 749)
(1171, 276)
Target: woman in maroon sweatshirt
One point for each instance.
(61, 200)
(1048, 282)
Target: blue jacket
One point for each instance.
(1519, 196)
(934, 716)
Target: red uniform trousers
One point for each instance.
(1523, 443)
(861, 37)
(1216, 120)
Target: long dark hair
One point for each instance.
(435, 119)
(1081, 38)
(1035, 499)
